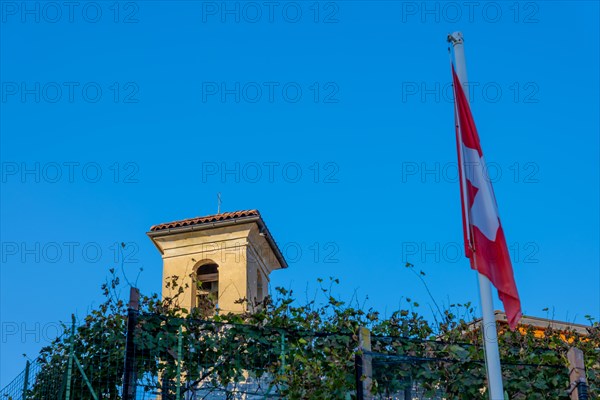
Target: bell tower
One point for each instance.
(222, 258)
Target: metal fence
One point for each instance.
(414, 369)
(84, 363)
(150, 356)
(153, 356)
(205, 359)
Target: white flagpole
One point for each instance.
(490, 335)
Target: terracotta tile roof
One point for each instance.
(205, 220)
(218, 219)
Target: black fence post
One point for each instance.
(359, 372)
(26, 380)
(130, 374)
(408, 390)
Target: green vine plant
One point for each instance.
(288, 349)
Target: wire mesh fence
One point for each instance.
(84, 363)
(39, 374)
(408, 369)
(147, 355)
(194, 359)
(178, 358)
(17, 387)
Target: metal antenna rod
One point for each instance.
(219, 203)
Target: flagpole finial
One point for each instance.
(455, 38)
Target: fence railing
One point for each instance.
(151, 356)
(410, 369)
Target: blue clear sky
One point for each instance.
(150, 102)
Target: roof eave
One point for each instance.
(219, 224)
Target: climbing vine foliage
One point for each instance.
(291, 349)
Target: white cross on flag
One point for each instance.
(485, 244)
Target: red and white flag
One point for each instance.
(485, 244)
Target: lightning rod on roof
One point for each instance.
(219, 203)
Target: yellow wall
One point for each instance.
(238, 250)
